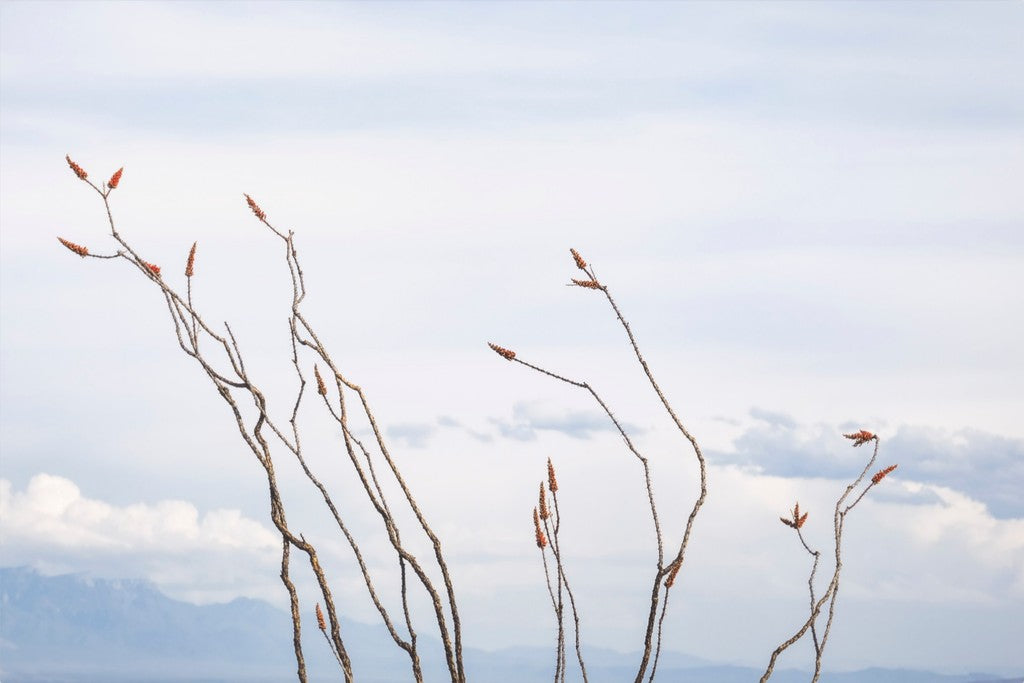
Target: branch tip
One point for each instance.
(881, 474)
(580, 263)
(79, 171)
(257, 211)
(860, 438)
(321, 388)
(190, 264)
(115, 179)
(539, 534)
(321, 624)
(77, 248)
(502, 351)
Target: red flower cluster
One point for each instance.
(77, 248)
(255, 208)
(860, 438)
(115, 179)
(502, 351)
(541, 538)
(798, 519)
(580, 263)
(552, 482)
(880, 474)
(79, 171)
(672, 574)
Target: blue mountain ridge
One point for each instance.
(74, 629)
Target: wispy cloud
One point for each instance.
(413, 435)
(528, 419)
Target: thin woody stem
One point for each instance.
(831, 592)
(189, 326)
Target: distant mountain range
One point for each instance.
(73, 629)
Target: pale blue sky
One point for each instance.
(809, 212)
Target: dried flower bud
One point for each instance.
(672, 574)
(580, 263)
(321, 624)
(190, 264)
(321, 388)
(79, 171)
(860, 438)
(502, 351)
(77, 248)
(552, 482)
(543, 503)
(115, 179)
(589, 284)
(541, 538)
(255, 208)
(787, 522)
(880, 474)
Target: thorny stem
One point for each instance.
(293, 599)
(832, 592)
(677, 560)
(557, 551)
(556, 606)
(703, 481)
(188, 326)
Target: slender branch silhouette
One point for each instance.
(218, 354)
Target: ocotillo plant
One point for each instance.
(665, 573)
(223, 363)
(796, 522)
(219, 357)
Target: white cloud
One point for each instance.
(53, 526)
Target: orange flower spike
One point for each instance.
(77, 248)
(155, 269)
(589, 284)
(580, 263)
(502, 351)
(79, 171)
(801, 520)
(552, 481)
(255, 208)
(190, 264)
(115, 179)
(320, 618)
(860, 438)
(672, 574)
(881, 474)
(321, 388)
(541, 538)
(543, 503)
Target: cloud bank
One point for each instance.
(206, 557)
